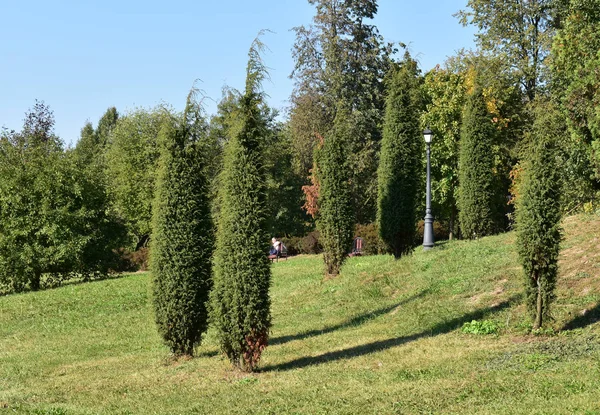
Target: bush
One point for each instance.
(308, 244)
(440, 231)
(370, 235)
(480, 327)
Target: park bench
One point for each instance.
(281, 253)
(357, 247)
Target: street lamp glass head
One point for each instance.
(428, 135)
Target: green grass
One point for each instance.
(385, 337)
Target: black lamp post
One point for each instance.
(428, 240)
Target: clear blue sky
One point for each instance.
(82, 57)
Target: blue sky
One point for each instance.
(82, 57)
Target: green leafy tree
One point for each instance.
(54, 220)
(131, 165)
(182, 238)
(240, 303)
(539, 215)
(576, 82)
(400, 164)
(445, 91)
(477, 199)
(92, 143)
(520, 32)
(341, 57)
(335, 220)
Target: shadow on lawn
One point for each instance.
(365, 349)
(590, 317)
(354, 321)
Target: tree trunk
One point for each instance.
(538, 317)
(451, 224)
(34, 282)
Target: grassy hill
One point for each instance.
(385, 337)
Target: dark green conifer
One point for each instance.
(182, 239)
(336, 215)
(538, 219)
(400, 164)
(240, 303)
(477, 200)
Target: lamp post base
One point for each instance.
(428, 239)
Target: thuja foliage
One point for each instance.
(478, 213)
(240, 303)
(400, 160)
(336, 216)
(182, 239)
(538, 220)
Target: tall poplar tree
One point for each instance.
(182, 238)
(400, 160)
(240, 303)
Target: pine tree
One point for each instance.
(400, 160)
(240, 303)
(538, 220)
(335, 221)
(182, 239)
(476, 198)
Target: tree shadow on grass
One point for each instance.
(365, 349)
(354, 321)
(48, 284)
(589, 318)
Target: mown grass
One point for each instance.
(383, 338)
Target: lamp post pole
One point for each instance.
(428, 239)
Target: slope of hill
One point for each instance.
(385, 337)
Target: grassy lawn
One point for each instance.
(383, 338)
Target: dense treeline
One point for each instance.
(349, 151)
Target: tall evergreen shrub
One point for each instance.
(538, 221)
(240, 303)
(400, 166)
(336, 215)
(182, 239)
(477, 200)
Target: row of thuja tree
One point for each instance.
(184, 243)
(515, 127)
(514, 121)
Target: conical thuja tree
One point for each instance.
(240, 304)
(400, 160)
(182, 240)
(336, 216)
(538, 220)
(476, 198)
